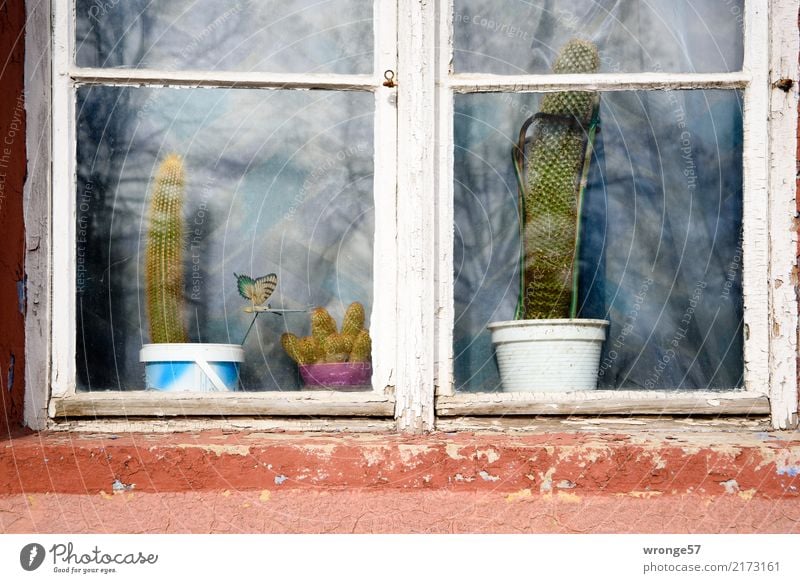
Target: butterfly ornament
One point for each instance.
(256, 290)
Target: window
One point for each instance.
(362, 151)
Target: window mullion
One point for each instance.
(486, 83)
(784, 48)
(63, 274)
(383, 323)
(415, 215)
(253, 80)
(445, 303)
(755, 204)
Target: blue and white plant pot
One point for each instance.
(199, 368)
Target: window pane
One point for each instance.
(519, 36)
(298, 36)
(660, 245)
(275, 182)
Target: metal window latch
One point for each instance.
(389, 76)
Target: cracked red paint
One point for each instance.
(577, 463)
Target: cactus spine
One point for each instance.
(322, 325)
(164, 254)
(326, 344)
(557, 161)
(353, 321)
(362, 347)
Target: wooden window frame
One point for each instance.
(414, 123)
(770, 235)
(64, 401)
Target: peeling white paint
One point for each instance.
(452, 450)
(490, 454)
(547, 480)
(487, 477)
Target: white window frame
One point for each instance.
(770, 236)
(414, 381)
(64, 400)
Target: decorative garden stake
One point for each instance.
(547, 348)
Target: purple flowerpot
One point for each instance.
(336, 374)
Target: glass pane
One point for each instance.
(274, 182)
(518, 36)
(296, 36)
(660, 235)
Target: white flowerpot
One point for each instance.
(548, 355)
(200, 368)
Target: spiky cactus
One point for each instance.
(337, 348)
(557, 161)
(353, 321)
(362, 348)
(326, 344)
(322, 325)
(164, 254)
(291, 344)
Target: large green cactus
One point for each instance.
(164, 255)
(552, 181)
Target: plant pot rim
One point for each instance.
(546, 322)
(345, 364)
(191, 351)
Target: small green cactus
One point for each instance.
(557, 162)
(362, 348)
(164, 255)
(353, 321)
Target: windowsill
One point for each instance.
(592, 458)
(240, 403)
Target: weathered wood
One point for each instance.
(415, 214)
(36, 204)
(155, 404)
(232, 79)
(550, 424)
(272, 424)
(605, 403)
(783, 306)
(383, 320)
(62, 207)
(445, 207)
(485, 83)
(755, 226)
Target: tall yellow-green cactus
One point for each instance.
(557, 160)
(164, 254)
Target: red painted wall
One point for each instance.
(12, 242)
